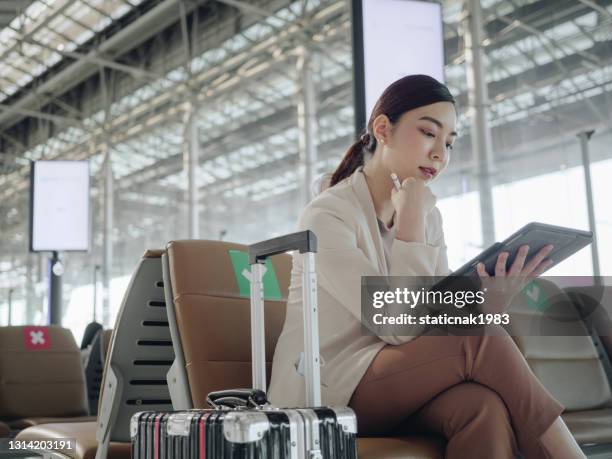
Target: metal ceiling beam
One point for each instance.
(174, 94)
(14, 6)
(58, 119)
(600, 9)
(565, 10)
(302, 21)
(547, 42)
(34, 30)
(6, 18)
(13, 141)
(281, 119)
(132, 35)
(545, 74)
(250, 8)
(96, 58)
(285, 164)
(205, 79)
(548, 45)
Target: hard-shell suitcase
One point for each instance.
(257, 433)
(242, 424)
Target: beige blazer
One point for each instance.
(349, 246)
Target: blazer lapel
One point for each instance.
(360, 188)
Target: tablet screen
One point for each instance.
(566, 242)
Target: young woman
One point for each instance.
(477, 391)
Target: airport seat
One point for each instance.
(20, 424)
(41, 377)
(85, 435)
(106, 337)
(569, 366)
(5, 430)
(404, 447)
(94, 367)
(91, 331)
(134, 378)
(596, 304)
(210, 321)
(210, 326)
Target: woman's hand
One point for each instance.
(412, 203)
(501, 288)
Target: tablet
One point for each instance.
(566, 242)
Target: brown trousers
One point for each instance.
(477, 391)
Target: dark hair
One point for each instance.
(405, 94)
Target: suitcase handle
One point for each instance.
(233, 398)
(304, 241)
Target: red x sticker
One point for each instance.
(36, 338)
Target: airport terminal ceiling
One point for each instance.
(132, 80)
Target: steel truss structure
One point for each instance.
(191, 111)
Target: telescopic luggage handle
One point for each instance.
(306, 243)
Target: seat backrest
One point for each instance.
(41, 374)
(207, 290)
(569, 366)
(91, 331)
(140, 353)
(106, 337)
(596, 303)
(5, 431)
(94, 367)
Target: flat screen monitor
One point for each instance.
(392, 39)
(59, 206)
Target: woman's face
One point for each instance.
(419, 144)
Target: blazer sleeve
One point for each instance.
(442, 268)
(341, 263)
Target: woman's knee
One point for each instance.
(479, 422)
(491, 405)
(477, 404)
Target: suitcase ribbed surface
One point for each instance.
(237, 434)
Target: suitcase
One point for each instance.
(241, 424)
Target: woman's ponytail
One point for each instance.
(353, 158)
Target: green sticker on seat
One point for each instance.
(536, 299)
(242, 271)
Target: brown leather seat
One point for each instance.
(596, 303)
(409, 447)
(4, 430)
(139, 355)
(590, 426)
(213, 321)
(41, 376)
(24, 423)
(570, 367)
(85, 434)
